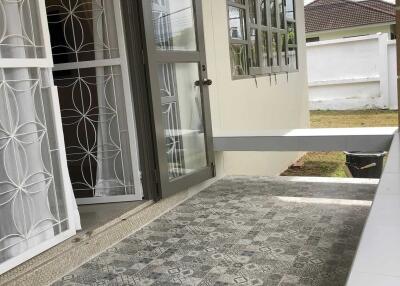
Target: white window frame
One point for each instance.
(281, 67)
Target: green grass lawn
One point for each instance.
(331, 164)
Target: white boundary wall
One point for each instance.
(352, 73)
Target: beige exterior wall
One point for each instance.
(242, 105)
(353, 32)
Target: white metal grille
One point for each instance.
(32, 207)
(35, 205)
(96, 132)
(95, 97)
(171, 119)
(87, 30)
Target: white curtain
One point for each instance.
(23, 209)
(104, 179)
(111, 172)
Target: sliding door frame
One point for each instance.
(129, 103)
(135, 45)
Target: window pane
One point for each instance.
(253, 11)
(264, 51)
(283, 49)
(263, 10)
(174, 27)
(237, 26)
(254, 48)
(95, 121)
(291, 27)
(281, 14)
(88, 34)
(273, 13)
(290, 10)
(20, 30)
(182, 118)
(292, 58)
(274, 49)
(239, 59)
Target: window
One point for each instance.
(262, 37)
(292, 50)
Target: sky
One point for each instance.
(308, 1)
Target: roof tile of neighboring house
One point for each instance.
(380, 5)
(323, 15)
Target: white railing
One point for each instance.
(377, 258)
(322, 140)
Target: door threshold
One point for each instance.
(96, 218)
(101, 228)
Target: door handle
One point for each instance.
(204, 82)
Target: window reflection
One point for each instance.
(237, 24)
(174, 27)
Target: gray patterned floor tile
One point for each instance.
(241, 231)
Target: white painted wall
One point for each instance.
(243, 105)
(353, 73)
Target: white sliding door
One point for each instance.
(36, 202)
(95, 96)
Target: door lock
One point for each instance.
(204, 82)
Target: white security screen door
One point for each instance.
(36, 203)
(92, 76)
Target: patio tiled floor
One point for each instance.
(242, 231)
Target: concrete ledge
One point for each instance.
(377, 260)
(328, 180)
(326, 139)
(344, 81)
(317, 180)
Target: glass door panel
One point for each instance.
(179, 89)
(174, 26)
(182, 118)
